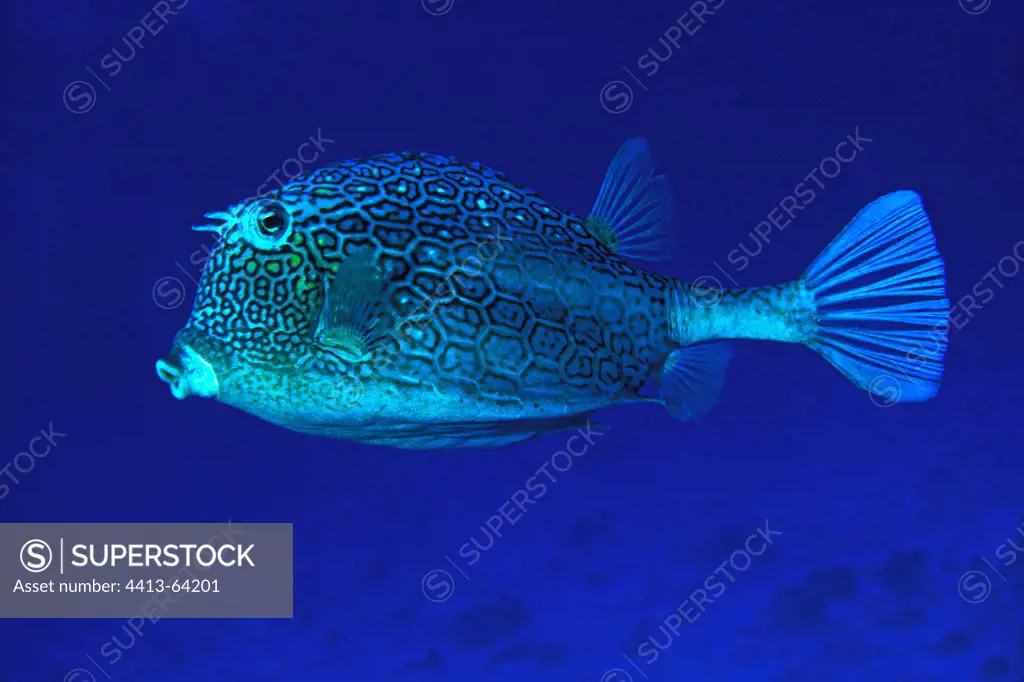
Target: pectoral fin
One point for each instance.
(351, 318)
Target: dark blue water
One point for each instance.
(881, 511)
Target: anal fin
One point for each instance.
(692, 379)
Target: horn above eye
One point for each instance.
(219, 222)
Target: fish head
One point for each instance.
(257, 303)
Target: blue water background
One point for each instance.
(881, 511)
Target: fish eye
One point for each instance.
(267, 223)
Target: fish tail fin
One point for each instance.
(880, 309)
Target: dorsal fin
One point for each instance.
(634, 214)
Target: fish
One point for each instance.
(419, 301)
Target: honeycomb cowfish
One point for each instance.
(419, 301)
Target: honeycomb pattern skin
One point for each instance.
(491, 294)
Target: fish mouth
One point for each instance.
(188, 373)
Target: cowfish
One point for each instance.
(419, 301)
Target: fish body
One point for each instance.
(419, 301)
